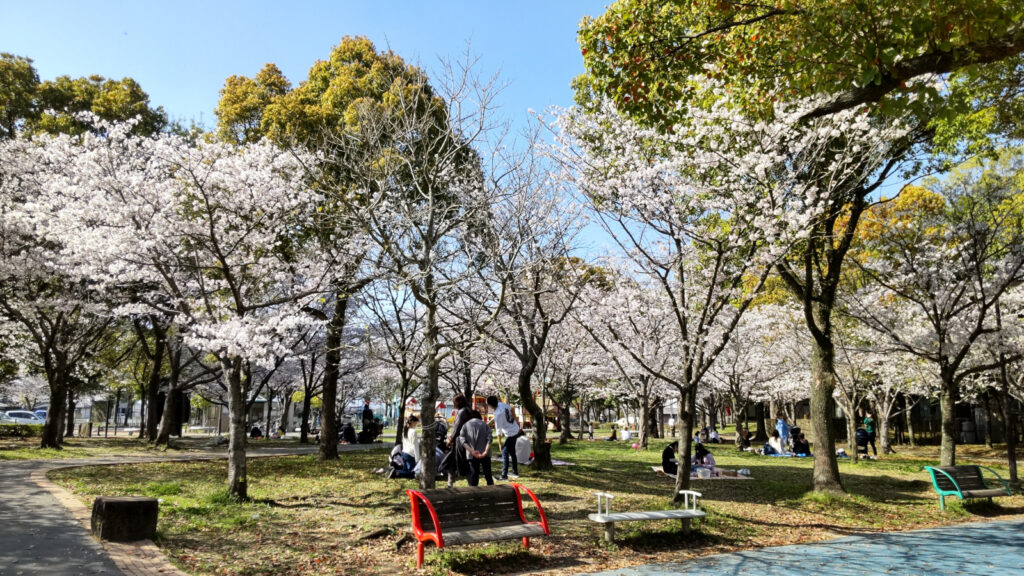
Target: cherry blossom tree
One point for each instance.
(51, 322)
(202, 232)
(939, 272)
(706, 212)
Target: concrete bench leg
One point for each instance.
(609, 531)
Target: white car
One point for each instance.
(23, 417)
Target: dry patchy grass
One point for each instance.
(315, 518)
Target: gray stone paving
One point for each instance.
(976, 549)
(37, 534)
(40, 537)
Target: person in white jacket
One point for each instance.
(506, 424)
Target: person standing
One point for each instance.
(475, 437)
(367, 414)
(783, 427)
(453, 467)
(869, 427)
(505, 423)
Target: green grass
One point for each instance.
(308, 517)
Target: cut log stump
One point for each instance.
(124, 518)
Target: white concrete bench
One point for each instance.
(609, 519)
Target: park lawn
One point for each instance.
(338, 517)
(98, 446)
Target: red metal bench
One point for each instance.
(452, 516)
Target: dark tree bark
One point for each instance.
(69, 429)
(332, 373)
(238, 483)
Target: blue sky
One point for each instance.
(181, 52)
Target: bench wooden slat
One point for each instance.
(492, 533)
(650, 515)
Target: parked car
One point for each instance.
(5, 419)
(41, 414)
(24, 417)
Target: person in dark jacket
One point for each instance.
(669, 462)
(455, 463)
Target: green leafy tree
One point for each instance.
(60, 100)
(645, 54)
(649, 57)
(354, 79)
(18, 85)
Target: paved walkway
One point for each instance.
(44, 530)
(977, 549)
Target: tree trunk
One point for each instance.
(167, 419)
(564, 417)
(69, 429)
(541, 448)
(401, 422)
(760, 432)
(1009, 430)
(332, 372)
(62, 417)
(826, 467)
(947, 404)
(285, 413)
(645, 410)
(267, 432)
(148, 427)
(238, 484)
(851, 434)
(911, 439)
(687, 410)
(428, 401)
(51, 436)
(307, 402)
(988, 419)
(883, 436)
(467, 378)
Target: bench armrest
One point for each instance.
(998, 477)
(935, 481)
(540, 509)
(417, 527)
(690, 499)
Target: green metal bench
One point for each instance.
(965, 482)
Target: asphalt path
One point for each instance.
(975, 549)
(37, 534)
(39, 537)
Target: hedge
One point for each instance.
(20, 430)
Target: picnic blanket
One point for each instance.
(720, 474)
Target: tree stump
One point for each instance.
(124, 518)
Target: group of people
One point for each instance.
(786, 441)
(702, 457)
(466, 451)
(707, 434)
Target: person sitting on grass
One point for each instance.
(801, 447)
(702, 457)
(669, 463)
(774, 446)
(743, 439)
(614, 436)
